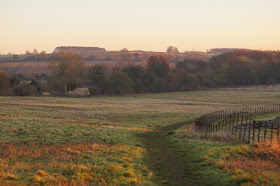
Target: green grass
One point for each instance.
(138, 122)
(23, 131)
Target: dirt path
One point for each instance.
(172, 163)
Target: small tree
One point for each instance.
(172, 49)
(4, 84)
(120, 83)
(98, 77)
(27, 53)
(68, 68)
(43, 55)
(148, 80)
(25, 89)
(35, 52)
(158, 65)
(136, 73)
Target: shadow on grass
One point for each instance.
(174, 161)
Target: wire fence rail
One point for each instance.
(239, 123)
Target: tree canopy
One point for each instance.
(69, 69)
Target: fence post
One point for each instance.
(244, 132)
(229, 121)
(254, 123)
(265, 131)
(226, 122)
(240, 131)
(241, 125)
(247, 117)
(233, 124)
(249, 135)
(259, 132)
(237, 124)
(196, 124)
(271, 136)
(202, 126)
(278, 133)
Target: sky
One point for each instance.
(150, 25)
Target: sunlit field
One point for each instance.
(36, 67)
(115, 140)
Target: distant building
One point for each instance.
(77, 49)
(194, 52)
(219, 51)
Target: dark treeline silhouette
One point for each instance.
(238, 68)
(246, 68)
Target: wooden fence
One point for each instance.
(239, 123)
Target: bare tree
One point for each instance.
(172, 49)
(27, 52)
(43, 55)
(123, 58)
(15, 57)
(69, 69)
(35, 52)
(158, 65)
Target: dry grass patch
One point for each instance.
(257, 164)
(76, 164)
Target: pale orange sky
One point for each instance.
(139, 24)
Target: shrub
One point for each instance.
(25, 89)
(158, 65)
(160, 85)
(148, 80)
(14, 81)
(4, 84)
(120, 83)
(98, 77)
(136, 73)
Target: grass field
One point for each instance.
(134, 139)
(36, 67)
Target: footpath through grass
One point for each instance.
(177, 161)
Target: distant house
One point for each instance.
(78, 49)
(25, 82)
(219, 51)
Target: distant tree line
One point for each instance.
(36, 56)
(238, 68)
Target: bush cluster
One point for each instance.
(19, 85)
